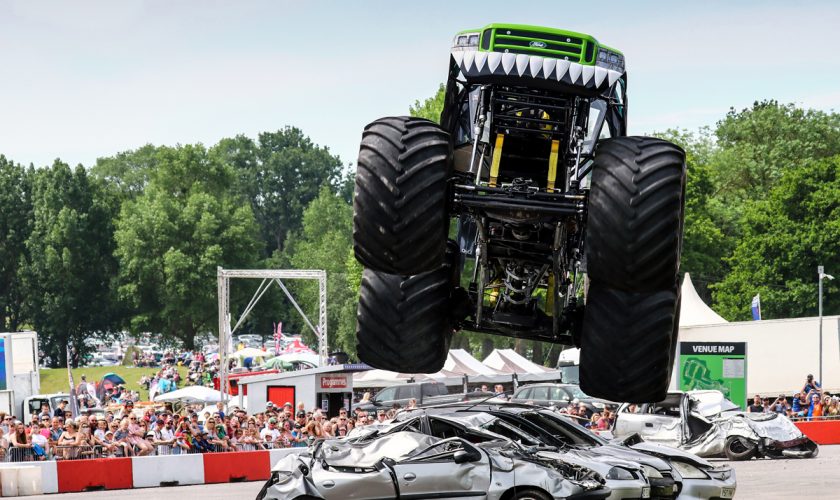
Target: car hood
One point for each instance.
(599, 462)
(668, 453)
(629, 454)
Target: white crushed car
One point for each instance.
(408, 464)
(708, 425)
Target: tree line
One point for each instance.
(132, 242)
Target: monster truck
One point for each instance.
(527, 212)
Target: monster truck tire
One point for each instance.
(400, 219)
(403, 322)
(634, 226)
(737, 448)
(628, 343)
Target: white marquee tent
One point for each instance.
(694, 311)
(509, 361)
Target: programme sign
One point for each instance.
(720, 366)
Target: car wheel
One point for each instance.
(737, 448)
(529, 494)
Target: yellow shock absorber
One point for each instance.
(552, 163)
(497, 158)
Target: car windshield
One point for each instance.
(575, 392)
(555, 427)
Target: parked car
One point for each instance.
(408, 464)
(709, 425)
(425, 393)
(670, 472)
(557, 395)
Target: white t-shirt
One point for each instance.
(275, 433)
(39, 439)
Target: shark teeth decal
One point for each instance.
(600, 74)
(574, 71)
(548, 66)
(480, 58)
(475, 63)
(508, 60)
(588, 71)
(458, 56)
(562, 68)
(522, 63)
(468, 59)
(535, 65)
(613, 76)
(493, 60)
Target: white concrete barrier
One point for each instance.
(29, 481)
(9, 481)
(152, 472)
(48, 476)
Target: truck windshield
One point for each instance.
(570, 374)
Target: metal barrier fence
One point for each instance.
(120, 449)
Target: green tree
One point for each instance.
(759, 144)
(70, 273)
(430, 108)
(280, 175)
(785, 237)
(171, 238)
(16, 219)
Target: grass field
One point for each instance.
(55, 379)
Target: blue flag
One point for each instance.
(756, 307)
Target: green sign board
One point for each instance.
(720, 366)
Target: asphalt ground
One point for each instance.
(785, 478)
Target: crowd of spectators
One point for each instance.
(157, 430)
(809, 403)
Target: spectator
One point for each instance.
(757, 406)
(815, 407)
(45, 411)
(811, 385)
(799, 405)
(202, 445)
(40, 445)
(4, 446)
(412, 404)
(21, 443)
(137, 437)
(68, 440)
(101, 438)
(60, 411)
(7, 424)
(122, 437)
(270, 430)
(780, 405)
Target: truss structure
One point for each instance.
(269, 277)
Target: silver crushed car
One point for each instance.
(708, 425)
(670, 473)
(405, 464)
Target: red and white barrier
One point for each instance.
(167, 470)
(20, 479)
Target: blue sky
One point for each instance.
(80, 80)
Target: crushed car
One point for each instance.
(406, 464)
(670, 473)
(707, 424)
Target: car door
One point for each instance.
(539, 395)
(434, 473)
(660, 424)
(343, 484)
